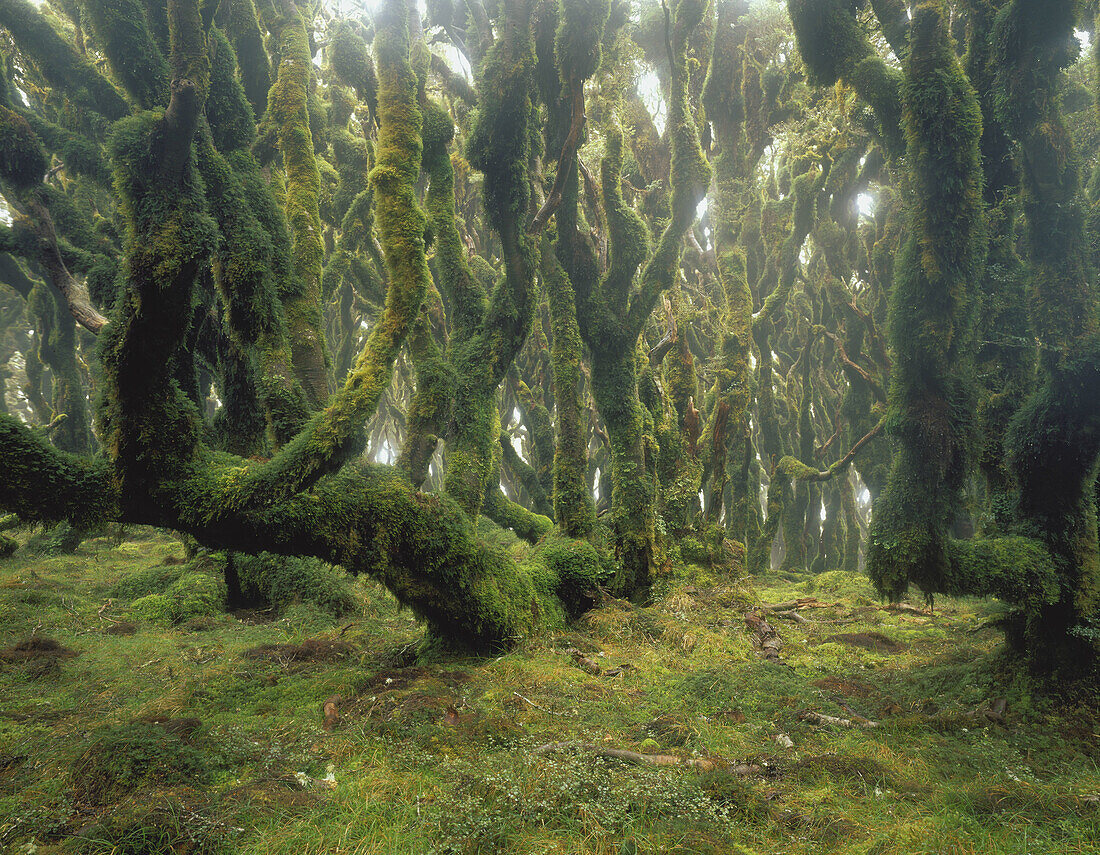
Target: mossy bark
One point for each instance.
(288, 110)
(1054, 440)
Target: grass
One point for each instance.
(121, 732)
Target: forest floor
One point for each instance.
(120, 735)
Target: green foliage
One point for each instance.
(22, 160)
(193, 594)
(577, 42)
(282, 582)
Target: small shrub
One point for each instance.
(841, 583)
(164, 823)
(282, 582)
(192, 595)
(153, 580)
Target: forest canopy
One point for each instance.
(755, 285)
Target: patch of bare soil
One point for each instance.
(310, 650)
(847, 688)
(36, 648)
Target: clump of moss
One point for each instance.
(121, 758)
(151, 580)
(352, 63)
(282, 582)
(572, 569)
(22, 160)
(841, 583)
(192, 595)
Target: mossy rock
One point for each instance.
(283, 582)
(192, 595)
(121, 758)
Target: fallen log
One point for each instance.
(791, 615)
(765, 637)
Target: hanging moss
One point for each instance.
(834, 46)
(48, 485)
(353, 65)
(58, 61)
(136, 61)
(289, 112)
(56, 338)
(80, 155)
(577, 41)
(574, 510)
(22, 160)
(238, 18)
(232, 121)
(243, 274)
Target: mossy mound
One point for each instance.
(151, 580)
(165, 822)
(282, 582)
(842, 583)
(121, 758)
(572, 569)
(192, 595)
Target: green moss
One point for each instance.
(232, 121)
(574, 510)
(508, 514)
(238, 18)
(930, 316)
(353, 65)
(22, 160)
(59, 62)
(577, 41)
(191, 595)
(136, 61)
(120, 759)
(572, 569)
(834, 46)
(282, 582)
(288, 111)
